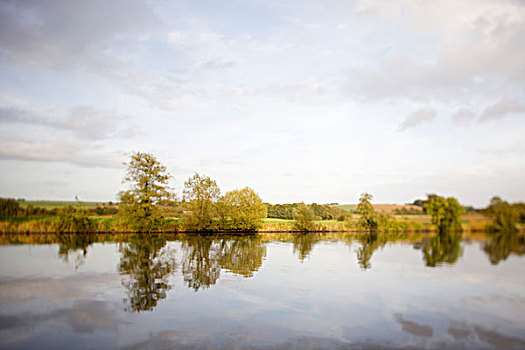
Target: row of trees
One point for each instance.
(320, 211)
(11, 209)
(204, 208)
(148, 197)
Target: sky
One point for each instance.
(314, 101)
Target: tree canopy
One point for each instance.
(201, 194)
(147, 180)
(241, 210)
(368, 217)
(504, 216)
(304, 218)
(446, 212)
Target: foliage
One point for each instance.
(504, 215)
(323, 211)
(241, 210)
(368, 217)
(201, 194)
(75, 220)
(148, 182)
(104, 210)
(408, 211)
(9, 208)
(446, 212)
(304, 218)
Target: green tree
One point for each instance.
(201, 194)
(148, 180)
(304, 218)
(368, 217)
(241, 210)
(504, 215)
(446, 212)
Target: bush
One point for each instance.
(74, 220)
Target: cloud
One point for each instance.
(83, 121)
(74, 152)
(433, 64)
(218, 64)
(463, 115)
(63, 34)
(417, 117)
(502, 109)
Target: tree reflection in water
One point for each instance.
(242, 256)
(443, 247)
(145, 268)
(74, 243)
(303, 243)
(204, 258)
(200, 263)
(369, 243)
(500, 245)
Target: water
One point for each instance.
(294, 292)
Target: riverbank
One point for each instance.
(112, 225)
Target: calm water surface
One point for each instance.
(298, 292)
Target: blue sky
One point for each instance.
(313, 101)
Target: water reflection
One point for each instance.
(74, 243)
(200, 263)
(369, 243)
(303, 243)
(145, 267)
(442, 248)
(284, 305)
(500, 245)
(242, 256)
(204, 257)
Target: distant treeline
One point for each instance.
(10, 208)
(320, 211)
(149, 204)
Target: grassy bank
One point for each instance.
(112, 224)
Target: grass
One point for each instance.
(347, 207)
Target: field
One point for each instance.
(388, 208)
(59, 204)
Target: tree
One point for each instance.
(148, 180)
(201, 194)
(304, 218)
(446, 212)
(504, 215)
(368, 218)
(241, 210)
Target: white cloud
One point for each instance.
(421, 115)
(300, 100)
